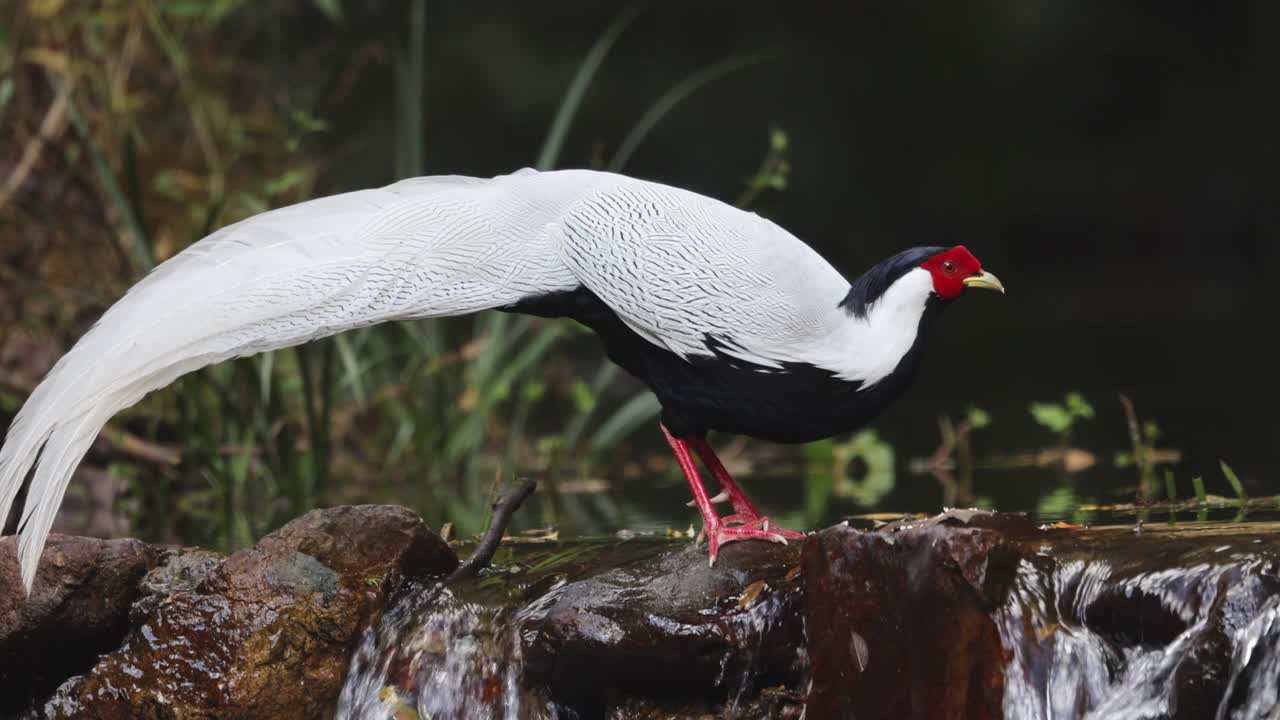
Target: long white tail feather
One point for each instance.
(426, 247)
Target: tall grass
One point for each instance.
(425, 413)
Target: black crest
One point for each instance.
(871, 285)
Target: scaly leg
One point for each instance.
(743, 510)
(717, 533)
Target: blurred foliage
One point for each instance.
(135, 127)
(1059, 418)
(148, 113)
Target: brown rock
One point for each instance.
(670, 626)
(898, 623)
(265, 633)
(78, 608)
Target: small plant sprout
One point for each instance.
(955, 453)
(1236, 485)
(1060, 418)
(1197, 483)
(1144, 455)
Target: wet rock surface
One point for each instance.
(617, 629)
(905, 624)
(669, 627)
(266, 632)
(78, 608)
(965, 614)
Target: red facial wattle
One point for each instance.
(955, 269)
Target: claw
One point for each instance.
(751, 525)
(723, 496)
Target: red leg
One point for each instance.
(717, 533)
(743, 509)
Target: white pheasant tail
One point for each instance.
(419, 248)
(675, 266)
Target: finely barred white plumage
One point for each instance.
(677, 267)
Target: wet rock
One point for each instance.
(985, 615)
(617, 630)
(669, 627)
(78, 608)
(965, 614)
(899, 621)
(268, 631)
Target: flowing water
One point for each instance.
(1163, 621)
(1190, 632)
(460, 660)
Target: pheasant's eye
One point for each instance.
(948, 266)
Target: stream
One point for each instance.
(971, 614)
(344, 612)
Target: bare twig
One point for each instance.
(122, 441)
(136, 447)
(50, 128)
(502, 511)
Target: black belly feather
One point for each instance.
(795, 404)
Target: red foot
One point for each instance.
(722, 535)
(762, 523)
(751, 524)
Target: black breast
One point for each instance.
(798, 403)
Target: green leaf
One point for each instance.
(778, 140)
(332, 9)
(1151, 431)
(284, 183)
(819, 482)
(878, 456)
(1051, 415)
(533, 391)
(1057, 504)
(1235, 481)
(978, 418)
(583, 398)
(1078, 406)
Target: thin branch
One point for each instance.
(50, 128)
(502, 511)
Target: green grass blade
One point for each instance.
(467, 435)
(266, 363)
(1197, 482)
(672, 97)
(353, 374)
(417, 80)
(410, 77)
(1235, 481)
(138, 250)
(642, 407)
(605, 374)
(6, 95)
(577, 88)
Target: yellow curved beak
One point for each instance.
(985, 280)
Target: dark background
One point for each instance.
(1113, 163)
